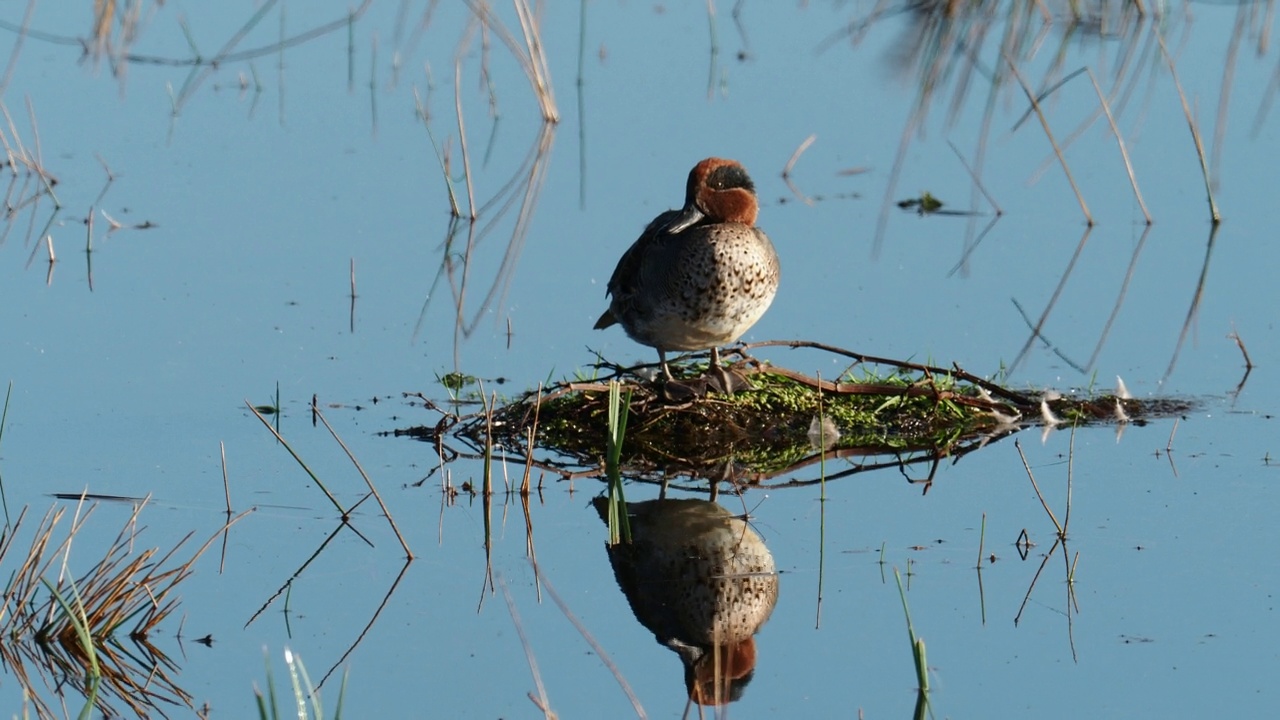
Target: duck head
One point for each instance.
(718, 191)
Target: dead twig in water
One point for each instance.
(1062, 532)
(1233, 335)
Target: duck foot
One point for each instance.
(726, 380)
(682, 391)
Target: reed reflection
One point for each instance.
(704, 583)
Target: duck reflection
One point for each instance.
(704, 583)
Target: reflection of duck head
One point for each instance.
(704, 583)
(720, 675)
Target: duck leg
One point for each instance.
(725, 380)
(679, 391)
(666, 371)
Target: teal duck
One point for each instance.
(698, 277)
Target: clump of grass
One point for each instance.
(70, 631)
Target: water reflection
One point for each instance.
(704, 583)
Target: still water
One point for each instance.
(251, 190)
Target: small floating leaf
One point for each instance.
(456, 381)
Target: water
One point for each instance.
(262, 199)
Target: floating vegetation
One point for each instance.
(876, 406)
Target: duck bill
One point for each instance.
(688, 217)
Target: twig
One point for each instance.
(462, 139)
(1248, 363)
(1032, 477)
(955, 372)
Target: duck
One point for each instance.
(699, 277)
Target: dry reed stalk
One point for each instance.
(1124, 153)
(351, 315)
(1060, 528)
(39, 159)
(367, 481)
(444, 169)
(1044, 123)
(542, 701)
(487, 481)
(1238, 34)
(1124, 290)
(26, 159)
(541, 79)
(531, 58)
(1038, 328)
(113, 591)
(1214, 216)
(529, 444)
(279, 438)
(1197, 297)
(14, 157)
(203, 67)
(599, 650)
(17, 46)
(462, 139)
